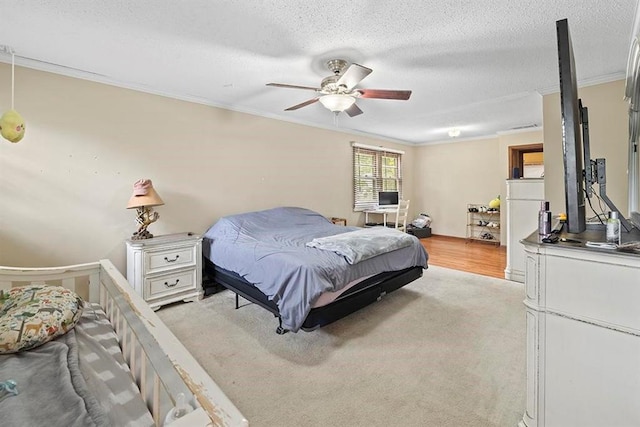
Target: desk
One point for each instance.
(383, 212)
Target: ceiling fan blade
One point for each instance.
(385, 94)
(292, 86)
(353, 111)
(354, 75)
(304, 104)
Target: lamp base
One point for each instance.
(141, 235)
(145, 217)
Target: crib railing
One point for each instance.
(160, 364)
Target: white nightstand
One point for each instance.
(166, 269)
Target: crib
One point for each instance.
(161, 366)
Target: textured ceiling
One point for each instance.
(481, 66)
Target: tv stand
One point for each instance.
(601, 179)
(596, 171)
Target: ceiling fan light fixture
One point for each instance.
(337, 103)
(338, 93)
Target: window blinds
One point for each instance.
(374, 169)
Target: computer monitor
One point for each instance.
(388, 199)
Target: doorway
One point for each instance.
(526, 161)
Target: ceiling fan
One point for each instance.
(338, 92)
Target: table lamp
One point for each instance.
(144, 197)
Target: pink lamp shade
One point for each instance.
(144, 195)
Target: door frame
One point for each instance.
(516, 157)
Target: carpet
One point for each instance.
(446, 350)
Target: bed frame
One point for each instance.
(359, 296)
(162, 367)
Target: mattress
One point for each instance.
(105, 386)
(327, 298)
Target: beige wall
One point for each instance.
(609, 136)
(63, 189)
(451, 175)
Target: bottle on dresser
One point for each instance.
(613, 228)
(544, 219)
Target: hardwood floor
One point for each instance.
(470, 256)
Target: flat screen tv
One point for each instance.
(571, 138)
(387, 198)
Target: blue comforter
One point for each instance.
(268, 249)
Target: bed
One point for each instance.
(154, 364)
(304, 269)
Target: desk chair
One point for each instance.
(402, 212)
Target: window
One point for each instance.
(374, 169)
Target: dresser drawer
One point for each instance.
(171, 258)
(170, 283)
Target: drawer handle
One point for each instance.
(172, 260)
(171, 285)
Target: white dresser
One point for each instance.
(583, 335)
(166, 269)
(523, 204)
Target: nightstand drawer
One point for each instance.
(170, 258)
(172, 283)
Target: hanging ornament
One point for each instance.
(12, 126)
(11, 123)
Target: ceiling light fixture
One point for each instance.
(454, 132)
(337, 103)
